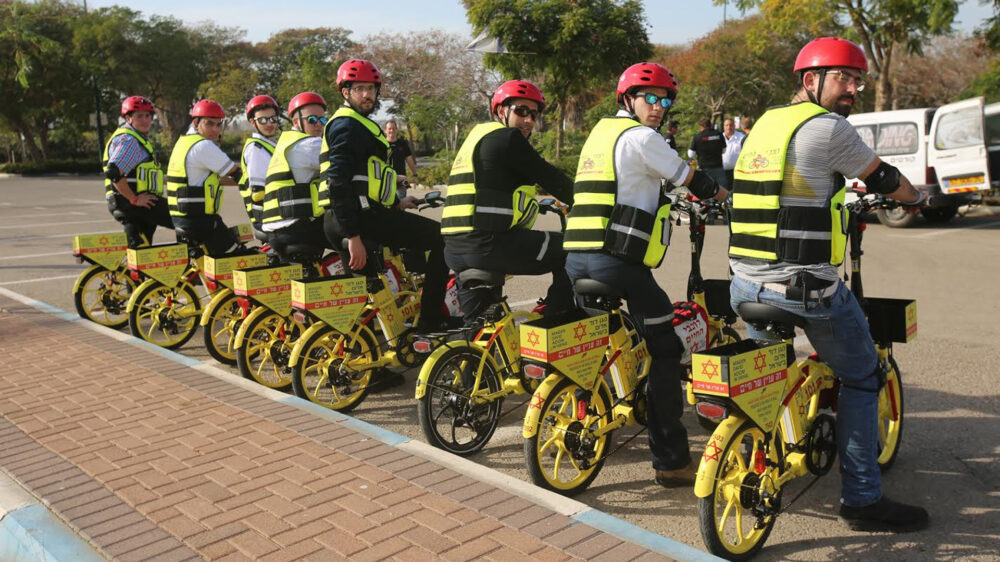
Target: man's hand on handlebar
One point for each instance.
(408, 202)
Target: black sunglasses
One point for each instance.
(524, 111)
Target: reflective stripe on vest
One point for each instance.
(190, 200)
(597, 222)
(147, 176)
(469, 208)
(283, 197)
(377, 181)
(764, 229)
(255, 209)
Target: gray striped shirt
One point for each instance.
(822, 147)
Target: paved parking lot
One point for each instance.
(950, 446)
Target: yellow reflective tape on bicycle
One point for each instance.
(337, 301)
(268, 286)
(163, 262)
(753, 377)
(221, 269)
(575, 348)
(103, 249)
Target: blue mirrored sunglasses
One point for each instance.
(312, 119)
(652, 99)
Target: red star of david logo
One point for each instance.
(711, 452)
(336, 290)
(103, 240)
(537, 401)
(759, 361)
(391, 317)
(710, 369)
(533, 338)
(241, 264)
(275, 277)
(162, 254)
(580, 331)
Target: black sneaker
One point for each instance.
(885, 515)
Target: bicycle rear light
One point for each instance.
(712, 411)
(422, 346)
(535, 371)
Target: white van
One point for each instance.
(948, 152)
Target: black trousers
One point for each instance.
(210, 231)
(402, 230)
(516, 252)
(139, 223)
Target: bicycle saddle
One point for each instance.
(297, 249)
(259, 235)
(594, 288)
(481, 277)
(761, 314)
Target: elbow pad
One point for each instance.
(703, 186)
(884, 180)
(113, 173)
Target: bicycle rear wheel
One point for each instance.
(165, 316)
(263, 354)
(220, 332)
(890, 417)
(102, 296)
(334, 370)
(450, 416)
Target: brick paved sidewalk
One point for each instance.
(149, 459)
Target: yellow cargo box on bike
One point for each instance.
(221, 269)
(162, 262)
(336, 301)
(753, 377)
(268, 286)
(574, 349)
(106, 250)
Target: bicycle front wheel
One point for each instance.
(334, 370)
(735, 519)
(890, 417)
(451, 416)
(101, 296)
(565, 455)
(165, 316)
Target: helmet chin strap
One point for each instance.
(819, 89)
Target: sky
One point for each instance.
(671, 22)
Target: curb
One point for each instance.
(575, 510)
(30, 532)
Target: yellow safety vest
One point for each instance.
(283, 197)
(764, 228)
(254, 207)
(190, 200)
(598, 222)
(146, 177)
(469, 208)
(378, 180)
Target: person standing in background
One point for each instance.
(708, 145)
(734, 143)
(671, 134)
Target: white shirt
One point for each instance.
(204, 158)
(642, 159)
(257, 160)
(303, 159)
(734, 145)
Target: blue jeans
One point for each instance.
(839, 333)
(653, 312)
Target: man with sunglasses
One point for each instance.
(491, 203)
(788, 242)
(294, 197)
(618, 231)
(364, 204)
(133, 179)
(197, 172)
(262, 114)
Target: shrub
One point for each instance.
(54, 166)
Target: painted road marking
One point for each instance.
(39, 279)
(106, 221)
(30, 256)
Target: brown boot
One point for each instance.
(678, 477)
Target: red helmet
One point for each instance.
(305, 98)
(261, 101)
(827, 52)
(136, 103)
(208, 108)
(357, 70)
(516, 89)
(646, 74)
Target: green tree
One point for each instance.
(884, 28)
(569, 45)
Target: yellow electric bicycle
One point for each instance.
(102, 291)
(776, 413)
